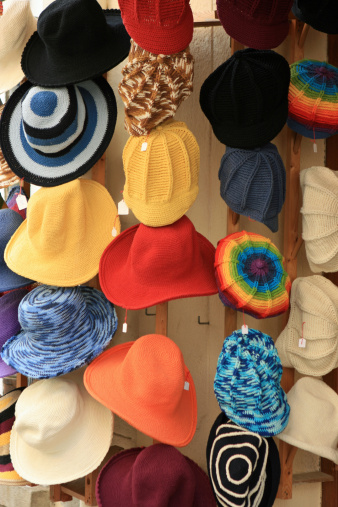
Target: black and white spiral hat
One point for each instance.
(243, 467)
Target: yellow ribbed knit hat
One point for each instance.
(161, 174)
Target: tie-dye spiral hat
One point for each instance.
(250, 275)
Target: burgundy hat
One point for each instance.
(262, 24)
(155, 476)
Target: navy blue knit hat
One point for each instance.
(247, 383)
(320, 14)
(253, 183)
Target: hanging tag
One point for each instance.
(245, 329)
(21, 201)
(124, 327)
(315, 147)
(144, 146)
(114, 232)
(186, 386)
(122, 208)
(302, 343)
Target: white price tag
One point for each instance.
(302, 343)
(144, 146)
(114, 232)
(315, 147)
(245, 329)
(122, 208)
(186, 386)
(124, 327)
(21, 202)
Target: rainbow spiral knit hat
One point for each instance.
(250, 275)
(313, 99)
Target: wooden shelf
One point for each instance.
(312, 477)
(208, 18)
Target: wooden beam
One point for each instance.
(161, 326)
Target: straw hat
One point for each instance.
(313, 316)
(320, 218)
(7, 177)
(65, 233)
(16, 26)
(60, 432)
(313, 423)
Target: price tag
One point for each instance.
(21, 201)
(124, 327)
(245, 329)
(122, 208)
(144, 146)
(315, 147)
(114, 232)
(186, 386)
(302, 343)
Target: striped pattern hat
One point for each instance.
(7, 410)
(63, 328)
(250, 275)
(313, 99)
(247, 383)
(7, 177)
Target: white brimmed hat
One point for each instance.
(60, 432)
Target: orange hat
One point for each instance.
(147, 384)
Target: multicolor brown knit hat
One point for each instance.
(7, 177)
(153, 87)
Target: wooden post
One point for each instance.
(161, 326)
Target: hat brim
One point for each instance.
(47, 171)
(5, 369)
(10, 280)
(33, 357)
(83, 453)
(42, 70)
(103, 381)
(127, 292)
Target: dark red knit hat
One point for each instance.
(161, 27)
(262, 24)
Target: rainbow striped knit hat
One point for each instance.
(250, 275)
(313, 99)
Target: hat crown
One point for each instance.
(267, 10)
(154, 13)
(16, 25)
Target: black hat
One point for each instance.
(243, 467)
(246, 98)
(320, 14)
(75, 40)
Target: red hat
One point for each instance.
(155, 476)
(161, 27)
(144, 266)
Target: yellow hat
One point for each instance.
(161, 174)
(66, 230)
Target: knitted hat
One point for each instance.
(164, 27)
(7, 177)
(313, 423)
(12, 197)
(250, 275)
(263, 24)
(16, 26)
(162, 181)
(147, 384)
(243, 467)
(66, 230)
(62, 329)
(52, 136)
(9, 223)
(313, 99)
(9, 304)
(145, 266)
(246, 98)
(75, 40)
(8, 476)
(253, 183)
(320, 218)
(320, 14)
(155, 476)
(60, 432)
(153, 87)
(313, 318)
(247, 383)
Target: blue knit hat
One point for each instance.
(9, 222)
(247, 383)
(63, 328)
(253, 183)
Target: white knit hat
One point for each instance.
(314, 302)
(16, 26)
(320, 218)
(313, 422)
(60, 432)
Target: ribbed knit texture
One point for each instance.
(247, 383)
(250, 275)
(161, 182)
(153, 87)
(253, 183)
(320, 14)
(62, 329)
(7, 177)
(246, 98)
(320, 218)
(313, 99)
(260, 24)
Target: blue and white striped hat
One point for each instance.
(247, 383)
(50, 136)
(63, 328)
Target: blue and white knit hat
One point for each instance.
(63, 328)
(247, 383)
(50, 136)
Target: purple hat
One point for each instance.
(155, 476)
(9, 323)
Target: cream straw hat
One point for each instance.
(314, 301)
(16, 26)
(60, 432)
(320, 218)
(313, 422)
